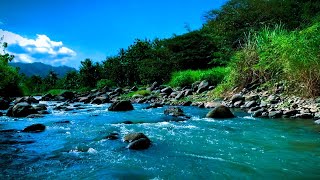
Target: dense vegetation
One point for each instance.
(246, 42)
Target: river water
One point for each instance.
(200, 148)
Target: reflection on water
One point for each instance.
(74, 146)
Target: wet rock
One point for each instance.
(40, 107)
(251, 104)
(154, 86)
(252, 97)
(253, 109)
(273, 99)
(138, 141)
(35, 128)
(35, 116)
(290, 112)
(258, 113)
(187, 92)
(238, 104)
(154, 105)
(220, 112)
(4, 104)
(304, 116)
(174, 111)
(22, 109)
(1, 114)
(11, 142)
(180, 95)
(84, 99)
(47, 97)
(28, 100)
(275, 114)
(237, 97)
(121, 106)
(112, 136)
(62, 122)
(127, 122)
(140, 144)
(43, 112)
(100, 100)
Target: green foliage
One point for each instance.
(56, 91)
(274, 55)
(71, 80)
(90, 73)
(105, 83)
(185, 78)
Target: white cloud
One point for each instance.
(40, 49)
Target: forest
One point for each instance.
(246, 42)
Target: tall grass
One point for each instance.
(185, 78)
(273, 55)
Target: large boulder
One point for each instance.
(29, 100)
(220, 112)
(137, 141)
(34, 128)
(4, 104)
(22, 109)
(174, 111)
(121, 106)
(47, 97)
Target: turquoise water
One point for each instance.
(201, 148)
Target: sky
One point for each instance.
(65, 32)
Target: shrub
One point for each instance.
(105, 82)
(185, 78)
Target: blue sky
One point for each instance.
(64, 32)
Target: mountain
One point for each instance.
(41, 69)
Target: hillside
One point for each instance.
(41, 69)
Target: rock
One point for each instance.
(188, 103)
(62, 122)
(252, 97)
(118, 90)
(253, 109)
(138, 141)
(137, 96)
(304, 116)
(258, 113)
(275, 114)
(290, 112)
(139, 144)
(201, 105)
(40, 107)
(4, 104)
(47, 97)
(317, 121)
(84, 99)
(237, 97)
(220, 112)
(35, 116)
(180, 95)
(1, 114)
(238, 104)
(251, 104)
(100, 100)
(35, 128)
(22, 109)
(112, 136)
(203, 86)
(195, 86)
(134, 136)
(121, 106)
(187, 92)
(167, 90)
(273, 99)
(174, 111)
(28, 100)
(154, 105)
(127, 122)
(212, 104)
(67, 95)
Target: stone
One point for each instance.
(238, 104)
(304, 116)
(68, 95)
(127, 122)
(220, 112)
(134, 136)
(22, 109)
(154, 86)
(275, 114)
(203, 86)
(35, 128)
(167, 90)
(100, 100)
(251, 104)
(237, 97)
(112, 136)
(187, 103)
(174, 111)
(121, 106)
(40, 107)
(134, 88)
(139, 144)
(258, 113)
(290, 112)
(180, 95)
(47, 97)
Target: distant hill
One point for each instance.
(41, 69)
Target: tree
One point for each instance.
(90, 73)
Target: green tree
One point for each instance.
(90, 73)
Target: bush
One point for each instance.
(9, 80)
(185, 78)
(56, 91)
(274, 55)
(105, 82)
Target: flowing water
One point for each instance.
(200, 148)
